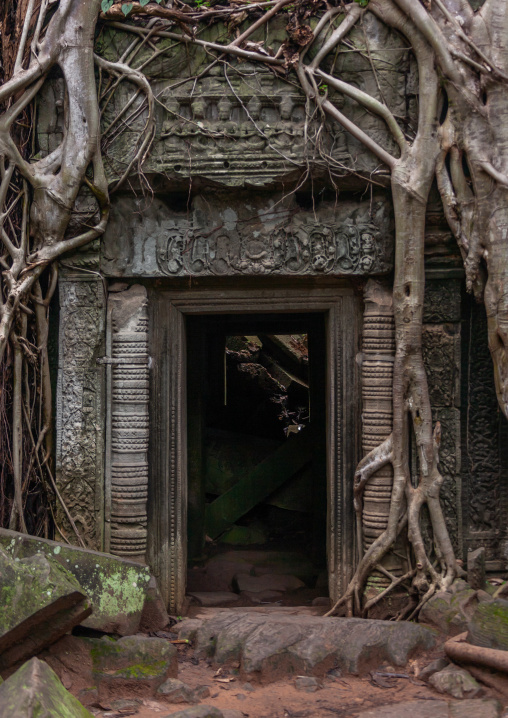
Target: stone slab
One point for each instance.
(116, 587)
(41, 601)
(214, 598)
(436, 709)
(132, 665)
(35, 691)
(271, 646)
(198, 712)
(267, 582)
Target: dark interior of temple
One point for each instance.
(257, 454)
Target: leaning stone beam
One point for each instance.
(41, 601)
(117, 588)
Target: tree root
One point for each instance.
(461, 652)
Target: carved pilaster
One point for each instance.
(128, 432)
(80, 408)
(377, 412)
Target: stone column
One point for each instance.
(377, 414)
(128, 432)
(80, 407)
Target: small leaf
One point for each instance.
(143, 2)
(106, 4)
(127, 7)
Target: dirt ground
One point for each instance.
(339, 695)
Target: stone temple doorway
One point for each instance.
(180, 321)
(257, 502)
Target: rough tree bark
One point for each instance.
(461, 140)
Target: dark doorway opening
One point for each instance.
(257, 507)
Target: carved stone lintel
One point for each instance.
(80, 408)
(231, 238)
(129, 432)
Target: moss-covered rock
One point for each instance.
(40, 602)
(35, 691)
(489, 625)
(132, 663)
(117, 588)
(449, 611)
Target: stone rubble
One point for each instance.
(456, 682)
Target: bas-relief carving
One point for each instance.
(442, 301)
(441, 340)
(80, 420)
(129, 429)
(254, 237)
(441, 356)
(485, 497)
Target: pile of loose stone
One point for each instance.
(125, 652)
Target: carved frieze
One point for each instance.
(351, 238)
(80, 408)
(129, 431)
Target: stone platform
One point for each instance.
(268, 646)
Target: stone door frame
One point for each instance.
(167, 508)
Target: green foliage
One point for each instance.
(106, 4)
(362, 3)
(127, 7)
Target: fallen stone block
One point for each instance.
(133, 664)
(488, 626)
(415, 709)
(307, 684)
(456, 682)
(273, 646)
(262, 596)
(432, 668)
(175, 691)
(267, 582)
(214, 598)
(450, 611)
(35, 691)
(198, 712)
(479, 708)
(188, 628)
(40, 602)
(117, 588)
